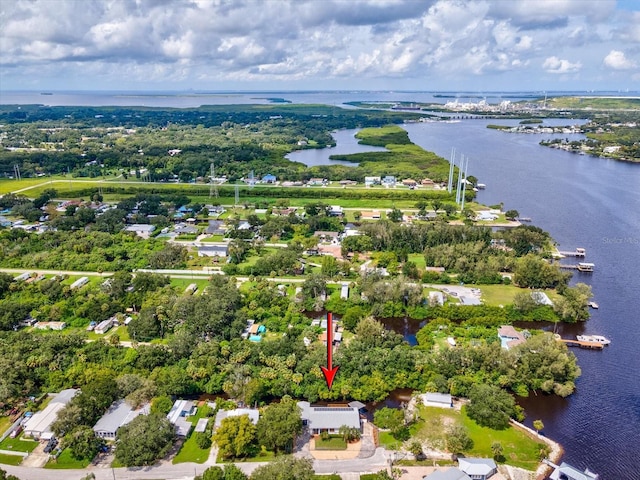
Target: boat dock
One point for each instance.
(580, 344)
(578, 252)
(581, 267)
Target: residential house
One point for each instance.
(50, 325)
(567, 472)
(486, 215)
(317, 181)
(370, 181)
(104, 326)
(141, 229)
(201, 426)
(177, 416)
(283, 212)
(120, 413)
(220, 250)
(409, 182)
(216, 227)
(252, 413)
(269, 178)
(427, 182)
(436, 298)
(344, 291)
(452, 473)
(372, 215)
(510, 337)
(336, 211)
(389, 181)
(325, 236)
(39, 424)
(329, 419)
(541, 298)
(478, 468)
(183, 228)
(82, 281)
(434, 399)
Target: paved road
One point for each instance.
(184, 471)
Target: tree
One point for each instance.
(161, 405)
(285, 468)
(458, 439)
(511, 214)
(144, 440)
(349, 434)
(279, 424)
(572, 306)
(203, 440)
(329, 265)
(490, 406)
(388, 418)
(497, 450)
(538, 426)
(395, 215)
(415, 448)
(83, 443)
(449, 209)
(235, 437)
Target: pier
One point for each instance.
(581, 267)
(578, 343)
(578, 252)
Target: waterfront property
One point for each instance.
(39, 425)
(478, 468)
(433, 399)
(329, 419)
(452, 473)
(120, 413)
(566, 472)
(510, 337)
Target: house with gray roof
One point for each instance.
(214, 250)
(178, 414)
(252, 413)
(119, 414)
(329, 419)
(39, 424)
(567, 472)
(216, 227)
(434, 399)
(478, 468)
(452, 473)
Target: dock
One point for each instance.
(581, 267)
(578, 252)
(579, 344)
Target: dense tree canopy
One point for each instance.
(143, 441)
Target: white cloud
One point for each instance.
(557, 65)
(618, 61)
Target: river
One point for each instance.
(584, 202)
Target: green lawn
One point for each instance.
(5, 422)
(520, 450)
(190, 452)
(263, 455)
(182, 283)
(418, 259)
(66, 461)
(498, 294)
(213, 238)
(10, 459)
(18, 444)
(333, 443)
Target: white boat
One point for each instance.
(594, 305)
(451, 341)
(593, 339)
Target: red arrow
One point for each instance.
(329, 371)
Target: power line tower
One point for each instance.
(252, 179)
(237, 194)
(213, 187)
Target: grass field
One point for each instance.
(499, 294)
(18, 445)
(66, 461)
(190, 452)
(4, 424)
(520, 449)
(10, 459)
(333, 443)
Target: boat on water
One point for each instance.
(594, 305)
(593, 339)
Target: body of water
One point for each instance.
(583, 202)
(346, 143)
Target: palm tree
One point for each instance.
(497, 450)
(538, 425)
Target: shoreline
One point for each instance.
(557, 451)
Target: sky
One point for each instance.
(426, 45)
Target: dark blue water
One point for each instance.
(584, 202)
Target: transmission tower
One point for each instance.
(237, 194)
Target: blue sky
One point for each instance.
(465, 45)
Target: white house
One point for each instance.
(39, 425)
(177, 416)
(434, 399)
(478, 468)
(214, 250)
(104, 326)
(252, 413)
(141, 229)
(567, 472)
(120, 413)
(82, 281)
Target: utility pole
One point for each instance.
(459, 185)
(237, 194)
(213, 188)
(464, 185)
